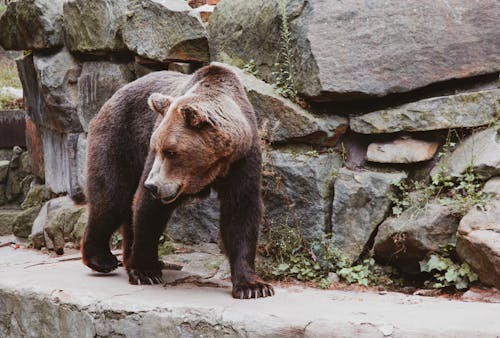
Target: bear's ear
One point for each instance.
(159, 102)
(194, 118)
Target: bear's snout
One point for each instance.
(153, 189)
(165, 193)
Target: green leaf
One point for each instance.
(283, 267)
(437, 263)
(451, 275)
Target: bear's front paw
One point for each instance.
(141, 277)
(100, 260)
(255, 288)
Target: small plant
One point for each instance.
(400, 198)
(460, 192)
(116, 240)
(290, 257)
(284, 74)
(251, 67)
(166, 246)
(447, 273)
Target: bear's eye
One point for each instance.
(168, 154)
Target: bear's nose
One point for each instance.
(153, 189)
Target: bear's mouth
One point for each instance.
(171, 198)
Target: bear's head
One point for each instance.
(201, 133)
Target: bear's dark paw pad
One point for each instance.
(145, 277)
(258, 289)
(102, 263)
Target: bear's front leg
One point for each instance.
(149, 220)
(241, 214)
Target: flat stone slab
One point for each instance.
(405, 150)
(59, 297)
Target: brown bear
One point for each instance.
(158, 141)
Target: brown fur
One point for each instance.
(207, 138)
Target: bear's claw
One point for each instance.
(255, 290)
(144, 277)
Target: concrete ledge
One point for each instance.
(59, 297)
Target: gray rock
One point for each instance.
(404, 150)
(32, 24)
(481, 151)
(57, 221)
(360, 204)
(18, 171)
(37, 236)
(57, 76)
(5, 154)
(24, 222)
(492, 186)
(361, 47)
(478, 242)
(182, 67)
(7, 220)
(298, 189)
(63, 162)
(37, 195)
(196, 221)
(281, 120)
(454, 111)
(165, 30)
(4, 169)
(417, 232)
(3, 198)
(79, 227)
(81, 160)
(97, 83)
(94, 26)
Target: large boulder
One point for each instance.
(195, 221)
(50, 88)
(57, 76)
(361, 202)
(358, 47)
(7, 219)
(480, 151)
(420, 230)
(32, 24)
(57, 223)
(18, 175)
(64, 158)
(444, 112)
(97, 83)
(164, 30)
(298, 189)
(281, 120)
(24, 221)
(94, 26)
(478, 237)
(4, 169)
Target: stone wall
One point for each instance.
(379, 87)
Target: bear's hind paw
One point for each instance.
(144, 277)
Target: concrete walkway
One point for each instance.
(59, 297)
